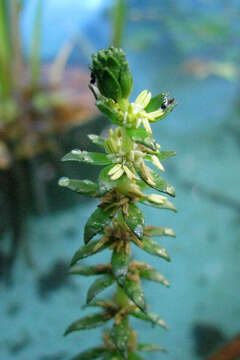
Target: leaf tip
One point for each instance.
(66, 332)
(64, 158)
(170, 190)
(88, 300)
(73, 261)
(63, 181)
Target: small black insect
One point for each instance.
(93, 78)
(167, 102)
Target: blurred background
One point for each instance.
(189, 48)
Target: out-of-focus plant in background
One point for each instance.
(39, 104)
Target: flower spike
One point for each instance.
(118, 222)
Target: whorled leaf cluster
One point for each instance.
(118, 222)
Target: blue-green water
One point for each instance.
(204, 271)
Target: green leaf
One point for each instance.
(142, 184)
(158, 231)
(90, 270)
(120, 334)
(120, 261)
(83, 187)
(88, 322)
(150, 317)
(168, 205)
(153, 248)
(105, 183)
(112, 63)
(150, 347)
(134, 356)
(96, 223)
(155, 102)
(141, 136)
(126, 81)
(90, 249)
(149, 273)
(134, 290)
(87, 157)
(109, 86)
(113, 355)
(98, 286)
(108, 108)
(94, 353)
(105, 304)
(135, 220)
(97, 140)
(164, 155)
(160, 184)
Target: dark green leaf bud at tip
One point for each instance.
(111, 72)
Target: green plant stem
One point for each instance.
(17, 63)
(5, 54)
(35, 62)
(123, 103)
(119, 19)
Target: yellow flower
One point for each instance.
(140, 115)
(118, 170)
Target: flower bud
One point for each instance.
(111, 71)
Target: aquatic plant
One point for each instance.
(118, 222)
